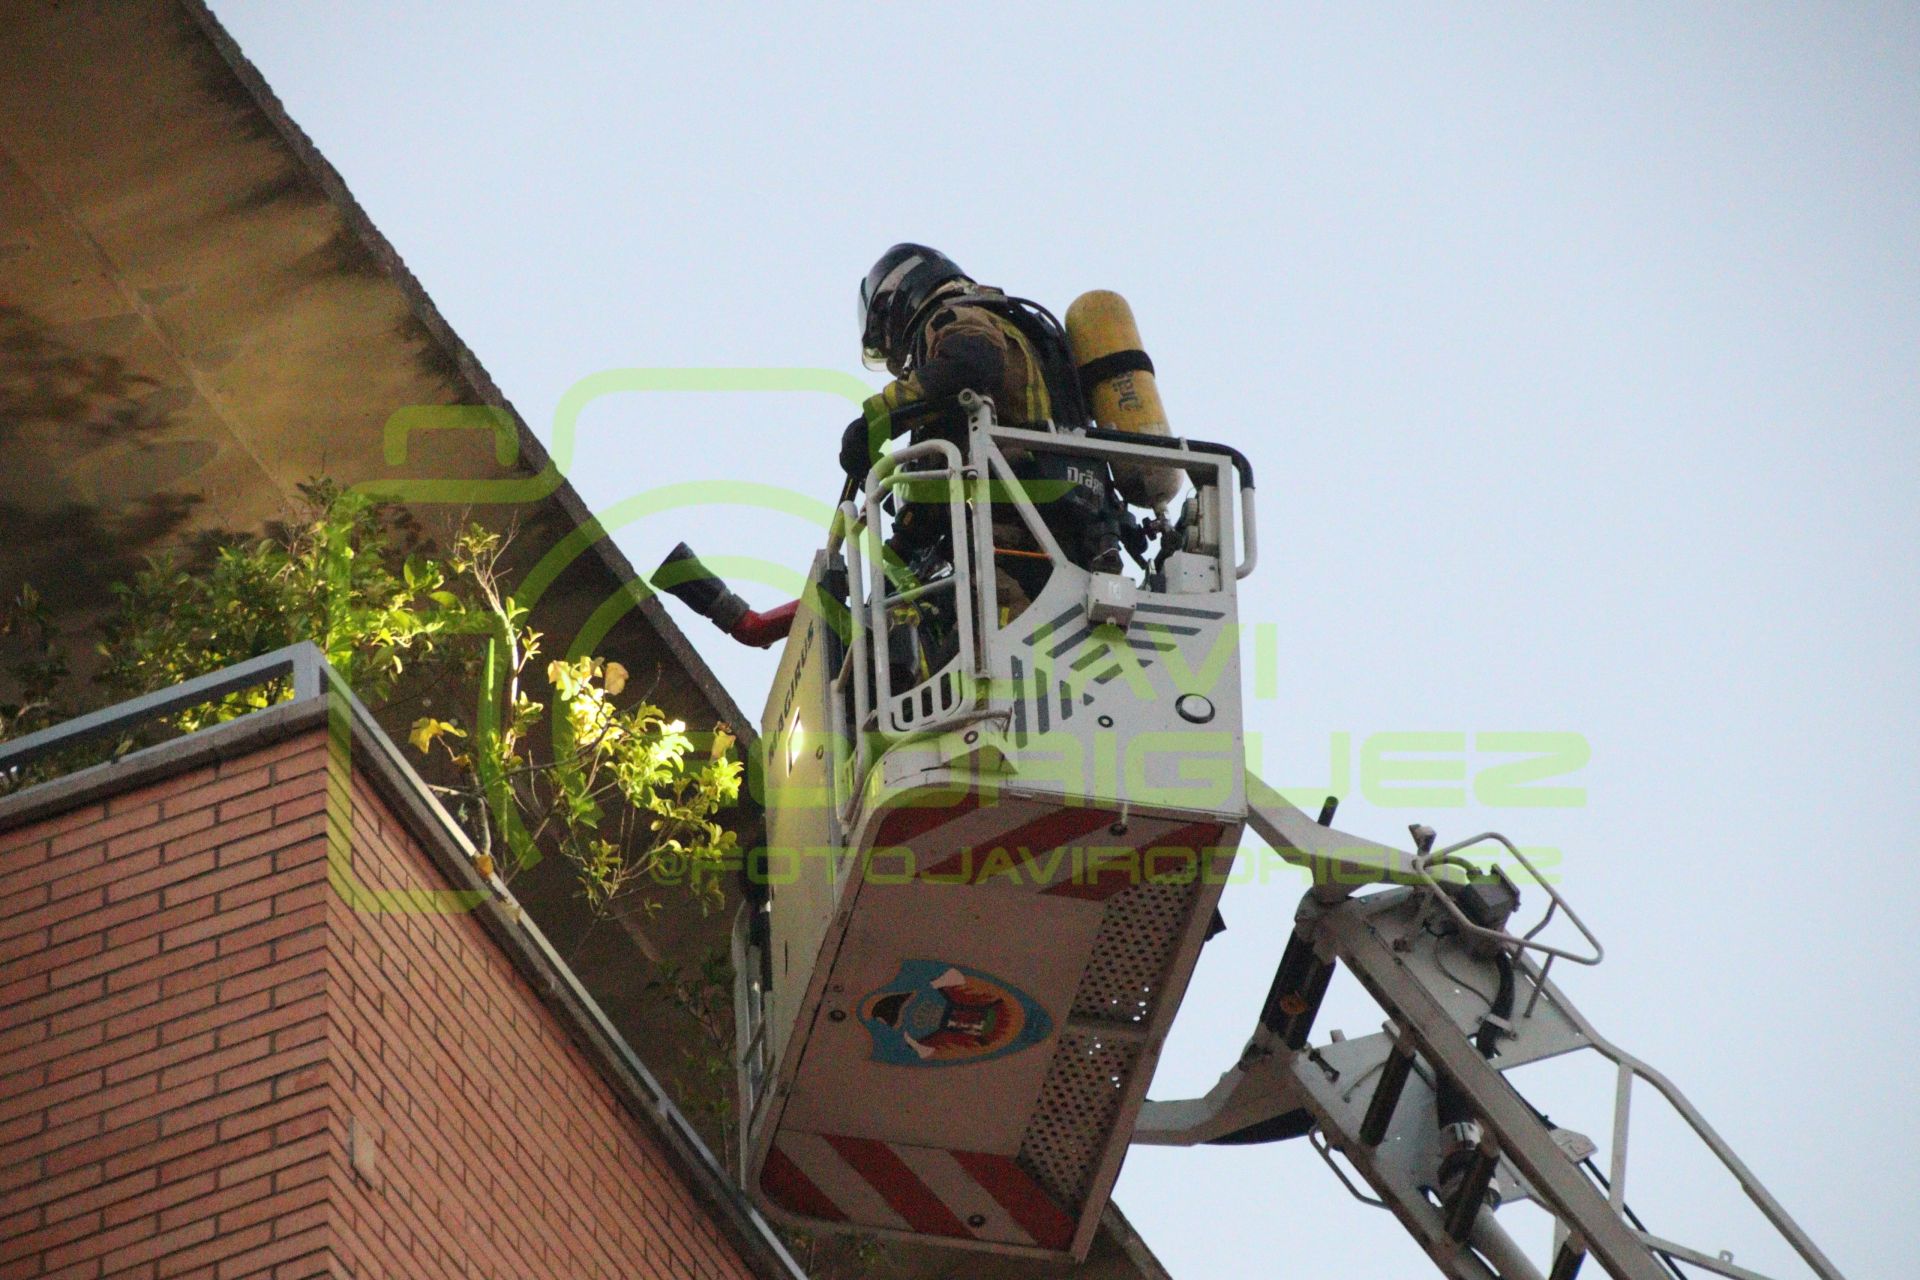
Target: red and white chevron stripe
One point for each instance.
(1087, 853)
(967, 1195)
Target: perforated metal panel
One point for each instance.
(1075, 1118)
(1082, 1094)
(1131, 952)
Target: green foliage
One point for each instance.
(834, 1256)
(625, 794)
(35, 667)
(339, 576)
(650, 762)
(34, 687)
(705, 1088)
(703, 993)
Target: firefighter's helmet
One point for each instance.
(895, 298)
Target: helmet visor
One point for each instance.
(872, 352)
(878, 302)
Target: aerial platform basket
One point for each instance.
(996, 840)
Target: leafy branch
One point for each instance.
(629, 796)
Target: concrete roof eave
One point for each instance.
(196, 316)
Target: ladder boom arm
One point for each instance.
(1423, 1110)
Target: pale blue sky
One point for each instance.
(1575, 347)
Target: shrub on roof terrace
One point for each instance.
(629, 796)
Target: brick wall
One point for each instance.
(198, 1035)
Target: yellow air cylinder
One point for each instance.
(1120, 387)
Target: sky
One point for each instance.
(1575, 348)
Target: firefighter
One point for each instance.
(939, 333)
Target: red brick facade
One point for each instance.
(199, 1035)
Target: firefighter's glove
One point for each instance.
(855, 454)
(865, 437)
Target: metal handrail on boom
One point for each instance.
(1422, 872)
(1628, 1068)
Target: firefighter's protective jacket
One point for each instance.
(964, 345)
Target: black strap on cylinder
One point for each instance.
(1112, 365)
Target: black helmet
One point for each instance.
(893, 296)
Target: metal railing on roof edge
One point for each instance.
(302, 664)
